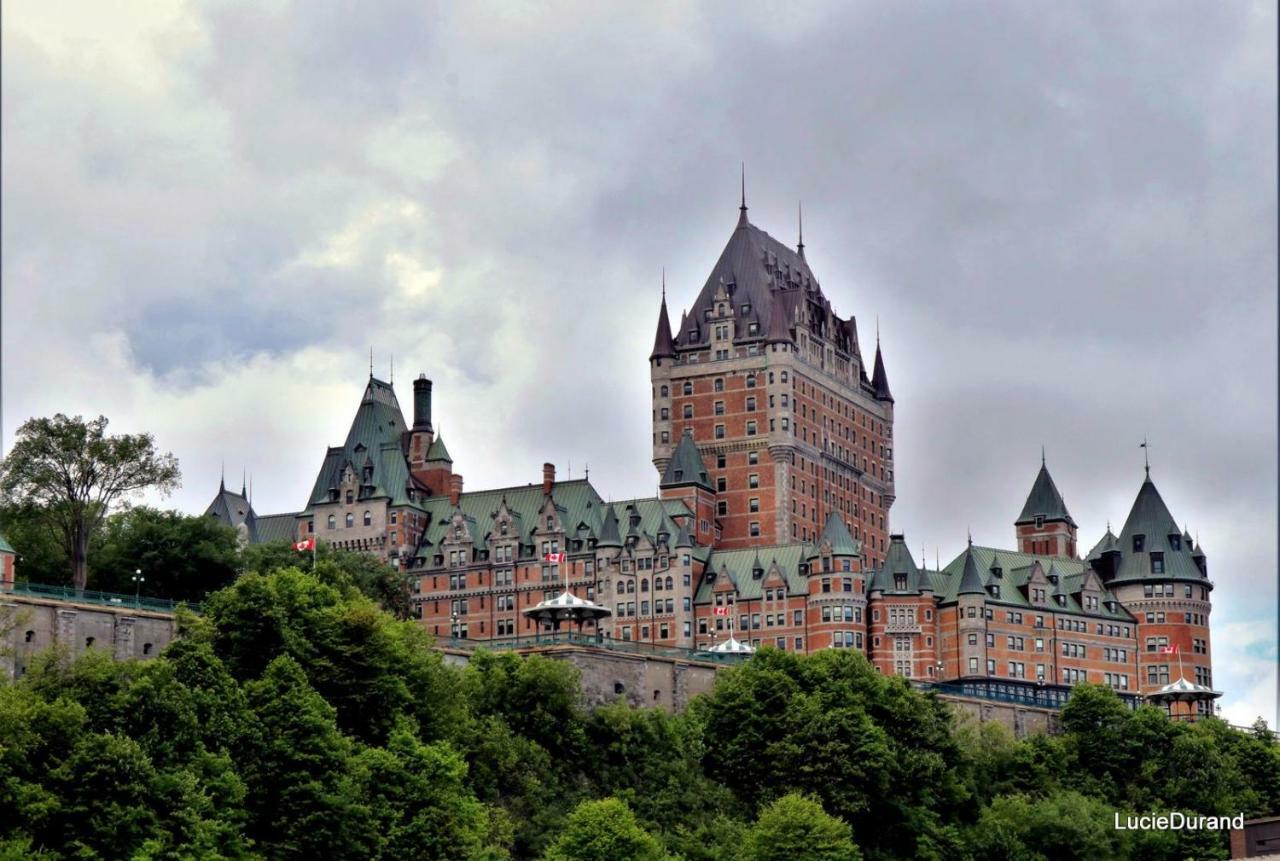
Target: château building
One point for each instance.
(774, 450)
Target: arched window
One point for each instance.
(644, 585)
(368, 518)
(631, 587)
(665, 391)
(657, 584)
(669, 584)
(784, 376)
(351, 520)
(350, 497)
(333, 522)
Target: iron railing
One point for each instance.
(570, 638)
(91, 596)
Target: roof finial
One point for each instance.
(392, 379)
(1042, 454)
(969, 529)
(1146, 458)
(877, 331)
(664, 283)
(742, 210)
(800, 212)
(222, 482)
(588, 472)
(371, 361)
(243, 483)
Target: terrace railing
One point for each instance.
(91, 596)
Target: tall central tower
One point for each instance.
(772, 386)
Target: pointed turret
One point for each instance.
(682, 538)
(1044, 500)
(438, 451)
(664, 346)
(899, 572)
(686, 465)
(609, 534)
(836, 533)
(879, 379)
(1150, 529)
(971, 579)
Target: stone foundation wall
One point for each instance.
(29, 625)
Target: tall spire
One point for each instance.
(371, 362)
(1146, 458)
(392, 378)
(879, 379)
(800, 213)
(664, 346)
(243, 484)
(222, 482)
(1042, 463)
(742, 210)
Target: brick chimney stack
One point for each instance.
(455, 488)
(548, 477)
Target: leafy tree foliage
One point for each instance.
(298, 719)
(183, 558)
(604, 830)
(796, 828)
(73, 473)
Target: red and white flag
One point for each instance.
(555, 558)
(1169, 650)
(306, 544)
(721, 611)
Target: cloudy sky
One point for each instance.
(1063, 215)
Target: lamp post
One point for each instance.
(939, 667)
(453, 625)
(138, 580)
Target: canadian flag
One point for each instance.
(720, 611)
(1169, 650)
(306, 544)
(555, 558)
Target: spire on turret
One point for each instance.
(222, 482)
(879, 379)
(664, 346)
(970, 580)
(742, 210)
(800, 244)
(1044, 499)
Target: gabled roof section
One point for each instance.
(686, 466)
(1018, 568)
(1106, 544)
(373, 441)
(1044, 500)
(769, 277)
(739, 564)
(231, 509)
(610, 536)
(837, 534)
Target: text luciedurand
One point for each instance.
(1176, 821)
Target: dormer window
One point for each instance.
(995, 590)
(1175, 542)
(1139, 542)
(746, 309)
(551, 522)
(720, 309)
(1039, 521)
(900, 582)
(502, 528)
(351, 497)
(1157, 563)
(457, 532)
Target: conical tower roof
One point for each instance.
(609, 534)
(879, 379)
(1044, 500)
(898, 560)
(1150, 518)
(971, 579)
(664, 347)
(686, 465)
(837, 534)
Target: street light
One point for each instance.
(137, 586)
(453, 625)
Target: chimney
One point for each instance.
(422, 403)
(455, 488)
(548, 477)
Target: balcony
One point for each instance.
(903, 628)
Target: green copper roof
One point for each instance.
(837, 534)
(1106, 544)
(5, 546)
(1044, 500)
(739, 564)
(1018, 569)
(437, 450)
(898, 560)
(686, 466)
(276, 527)
(1151, 519)
(970, 579)
(609, 535)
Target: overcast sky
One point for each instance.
(1063, 215)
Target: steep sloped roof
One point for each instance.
(1150, 518)
(837, 534)
(898, 560)
(276, 527)
(739, 564)
(1044, 500)
(1017, 570)
(686, 466)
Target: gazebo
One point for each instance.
(1185, 693)
(567, 607)
(732, 646)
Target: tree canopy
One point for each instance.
(298, 719)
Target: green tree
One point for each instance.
(183, 558)
(302, 798)
(796, 828)
(72, 472)
(41, 558)
(604, 830)
(1065, 826)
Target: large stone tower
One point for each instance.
(772, 385)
